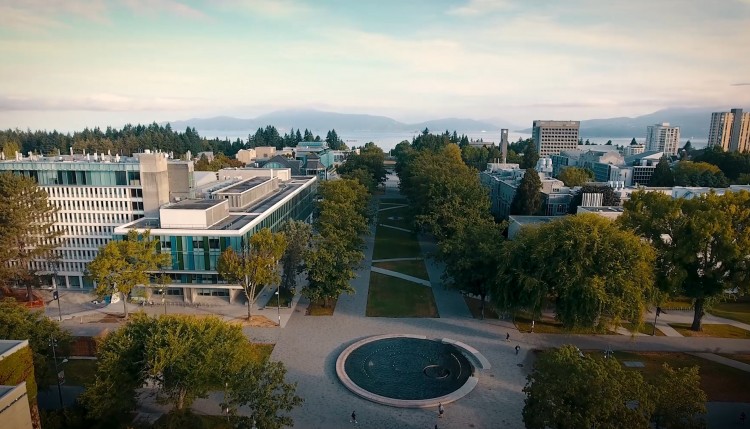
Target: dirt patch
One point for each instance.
(256, 322)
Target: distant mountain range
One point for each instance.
(693, 123)
(341, 122)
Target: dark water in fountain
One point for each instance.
(408, 368)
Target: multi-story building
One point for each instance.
(730, 130)
(18, 392)
(551, 137)
(195, 232)
(663, 138)
(93, 195)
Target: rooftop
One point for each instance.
(604, 209)
(194, 204)
(8, 347)
(243, 186)
(529, 220)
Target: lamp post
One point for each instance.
(53, 345)
(278, 304)
(56, 291)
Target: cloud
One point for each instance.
(479, 7)
(96, 102)
(168, 7)
(740, 84)
(34, 15)
(274, 8)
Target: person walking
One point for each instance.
(354, 418)
(518, 348)
(507, 336)
(441, 410)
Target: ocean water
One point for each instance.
(388, 140)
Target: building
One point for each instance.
(516, 222)
(633, 149)
(246, 156)
(194, 232)
(609, 212)
(730, 130)
(94, 194)
(18, 407)
(552, 137)
(663, 138)
(265, 152)
(502, 180)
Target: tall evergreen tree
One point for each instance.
(663, 175)
(527, 200)
(530, 156)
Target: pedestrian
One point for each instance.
(507, 336)
(518, 348)
(441, 410)
(532, 326)
(354, 418)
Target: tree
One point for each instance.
(331, 266)
(10, 148)
(609, 143)
(182, 358)
(593, 272)
(27, 231)
(298, 235)
(527, 200)
(19, 323)
(530, 156)
(679, 401)
(689, 173)
(688, 147)
(575, 176)
(471, 258)
(121, 265)
(662, 174)
(371, 159)
(702, 243)
(334, 142)
(633, 142)
(609, 198)
(566, 391)
(256, 265)
(261, 388)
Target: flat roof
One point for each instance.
(243, 186)
(525, 220)
(8, 347)
(602, 209)
(194, 204)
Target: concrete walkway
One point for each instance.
(395, 227)
(724, 361)
(401, 276)
(397, 259)
(392, 208)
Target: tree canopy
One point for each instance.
(527, 200)
(575, 176)
(688, 173)
(732, 164)
(367, 167)
(298, 236)
(703, 243)
(121, 265)
(663, 175)
(530, 155)
(568, 391)
(184, 358)
(27, 229)
(592, 271)
(256, 264)
(220, 161)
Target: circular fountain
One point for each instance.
(406, 370)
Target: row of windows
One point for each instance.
(95, 218)
(90, 205)
(103, 193)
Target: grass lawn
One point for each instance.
(678, 303)
(398, 217)
(720, 382)
(744, 358)
(316, 308)
(735, 310)
(712, 330)
(645, 328)
(392, 297)
(551, 326)
(260, 352)
(394, 200)
(410, 268)
(192, 421)
(392, 243)
(474, 307)
(78, 372)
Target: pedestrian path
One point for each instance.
(724, 361)
(391, 208)
(401, 276)
(396, 259)
(395, 227)
(667, 330)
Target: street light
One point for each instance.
(56, 292)
(53, 345)
(278, 304)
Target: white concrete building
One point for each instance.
(551, 137)
(663, 138)
(730, 130)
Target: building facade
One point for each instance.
(730, 130)
(551, 137)
(663, 138)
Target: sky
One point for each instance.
(67, 64)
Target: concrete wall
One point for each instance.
(15, 412)
(181, 183)
(264, 152)
(191, 218)
(246, 156)
(155, 181)
(283, 174)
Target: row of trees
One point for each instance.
(449, 202)
(220, 161)
(734, 165)
(126, 141)
(270, 136)
(688, 173)
(367, 167)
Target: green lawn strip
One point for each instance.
(548, 325)
(260, 352)
(393, 297)
(391, 243)
(711, 330)
(739, 311)
(190, 420)
(744, 358)
(398, 217)
(78, 372)
(474, 307)
(410, 268)
(645, 328)
(677, 303)
(316, 308)
(720, 382)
